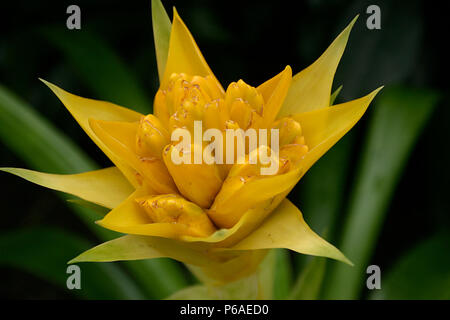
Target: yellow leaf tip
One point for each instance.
(348, 262)
(375, 92)
(75, 260)
(288, 69)
(45, 82)
(350, 25)
(56, 90)
(175, 13)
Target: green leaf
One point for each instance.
(309, 282)
(399, 117)
(283, 274)
(100, 68)
(26, 133)
(335, 94)
(267, 274)
(422, 273)
(161, 34)
(44, 148)
(44, 252)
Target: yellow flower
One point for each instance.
(220, 219)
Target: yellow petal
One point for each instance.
(285, 228)
(274, 92)
(198, 182)
(184, 55)
(323, 128)
(311, 88)
(82, 109)
(171, 208)
(238, 196)
(151, 137)
(130, 217)
(105, 187)
(120, 138)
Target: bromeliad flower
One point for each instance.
(218, 218)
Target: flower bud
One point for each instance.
(171, 208)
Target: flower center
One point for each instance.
(182, 104)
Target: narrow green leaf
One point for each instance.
(266, 275)
(335, 94)
(283, 274)
(36, 140)
(45, 148)
(422, 273)
(399, 116)
(161, 34)
(100, 68)
(159, 277)
(44, 252)
(309, 282)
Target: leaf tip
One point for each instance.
(74, 260)
(56, 90)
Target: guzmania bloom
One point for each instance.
(219, 219)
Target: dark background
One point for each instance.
(253, 40)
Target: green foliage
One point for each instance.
(398, 119)
(100, 68)
(44, 252)
(423, 272)
(282, 274)
(309, 282)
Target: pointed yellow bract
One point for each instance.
(220, 219)
(333, 122)
(184, 56)
(274, 92)
(311, 88)
(83, 109)
(106, 187)
(285, 228)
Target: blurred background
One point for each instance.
(380, 195)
